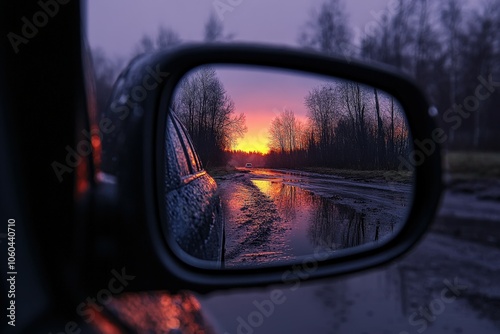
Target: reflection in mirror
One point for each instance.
(267, 167)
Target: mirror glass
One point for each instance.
(267, 167)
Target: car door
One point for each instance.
(191, 196)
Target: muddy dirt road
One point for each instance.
(278, 215)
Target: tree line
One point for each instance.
(208, 113)
(106, 68)
(450, 49)
(203, 105)
(348, 126)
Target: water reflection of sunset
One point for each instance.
(265, 187)
(271, 219)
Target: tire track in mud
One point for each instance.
(254, 228)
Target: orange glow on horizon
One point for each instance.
(257, 137)
(251, 144)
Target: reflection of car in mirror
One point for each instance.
(193, 206)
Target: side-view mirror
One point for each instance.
(239, 165)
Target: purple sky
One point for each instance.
(262, 94)
(117, 25)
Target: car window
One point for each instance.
(176, 157)
(199, 165)
(192, 157)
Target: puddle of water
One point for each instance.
(271, 220)
(311, 222)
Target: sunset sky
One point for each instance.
(262, 94)
(116, 26)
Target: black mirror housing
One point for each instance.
(138, 108)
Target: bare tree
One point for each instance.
(482, 56)
(381, 149)
(146, 45)
(208, 114)
(165, 38)
(328, 30)
(408, 40)
(391, 144)
(214, 30)
(451, 26)
(323, 106)
(277, 135)
(354, 101)
(427, 47)
(391, 41)
(285, 133)
(453, 36)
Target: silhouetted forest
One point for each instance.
(450, 49)
(208, 114)
(349, 126)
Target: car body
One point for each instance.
(248, 165)
(192, 207)
(192, 204)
